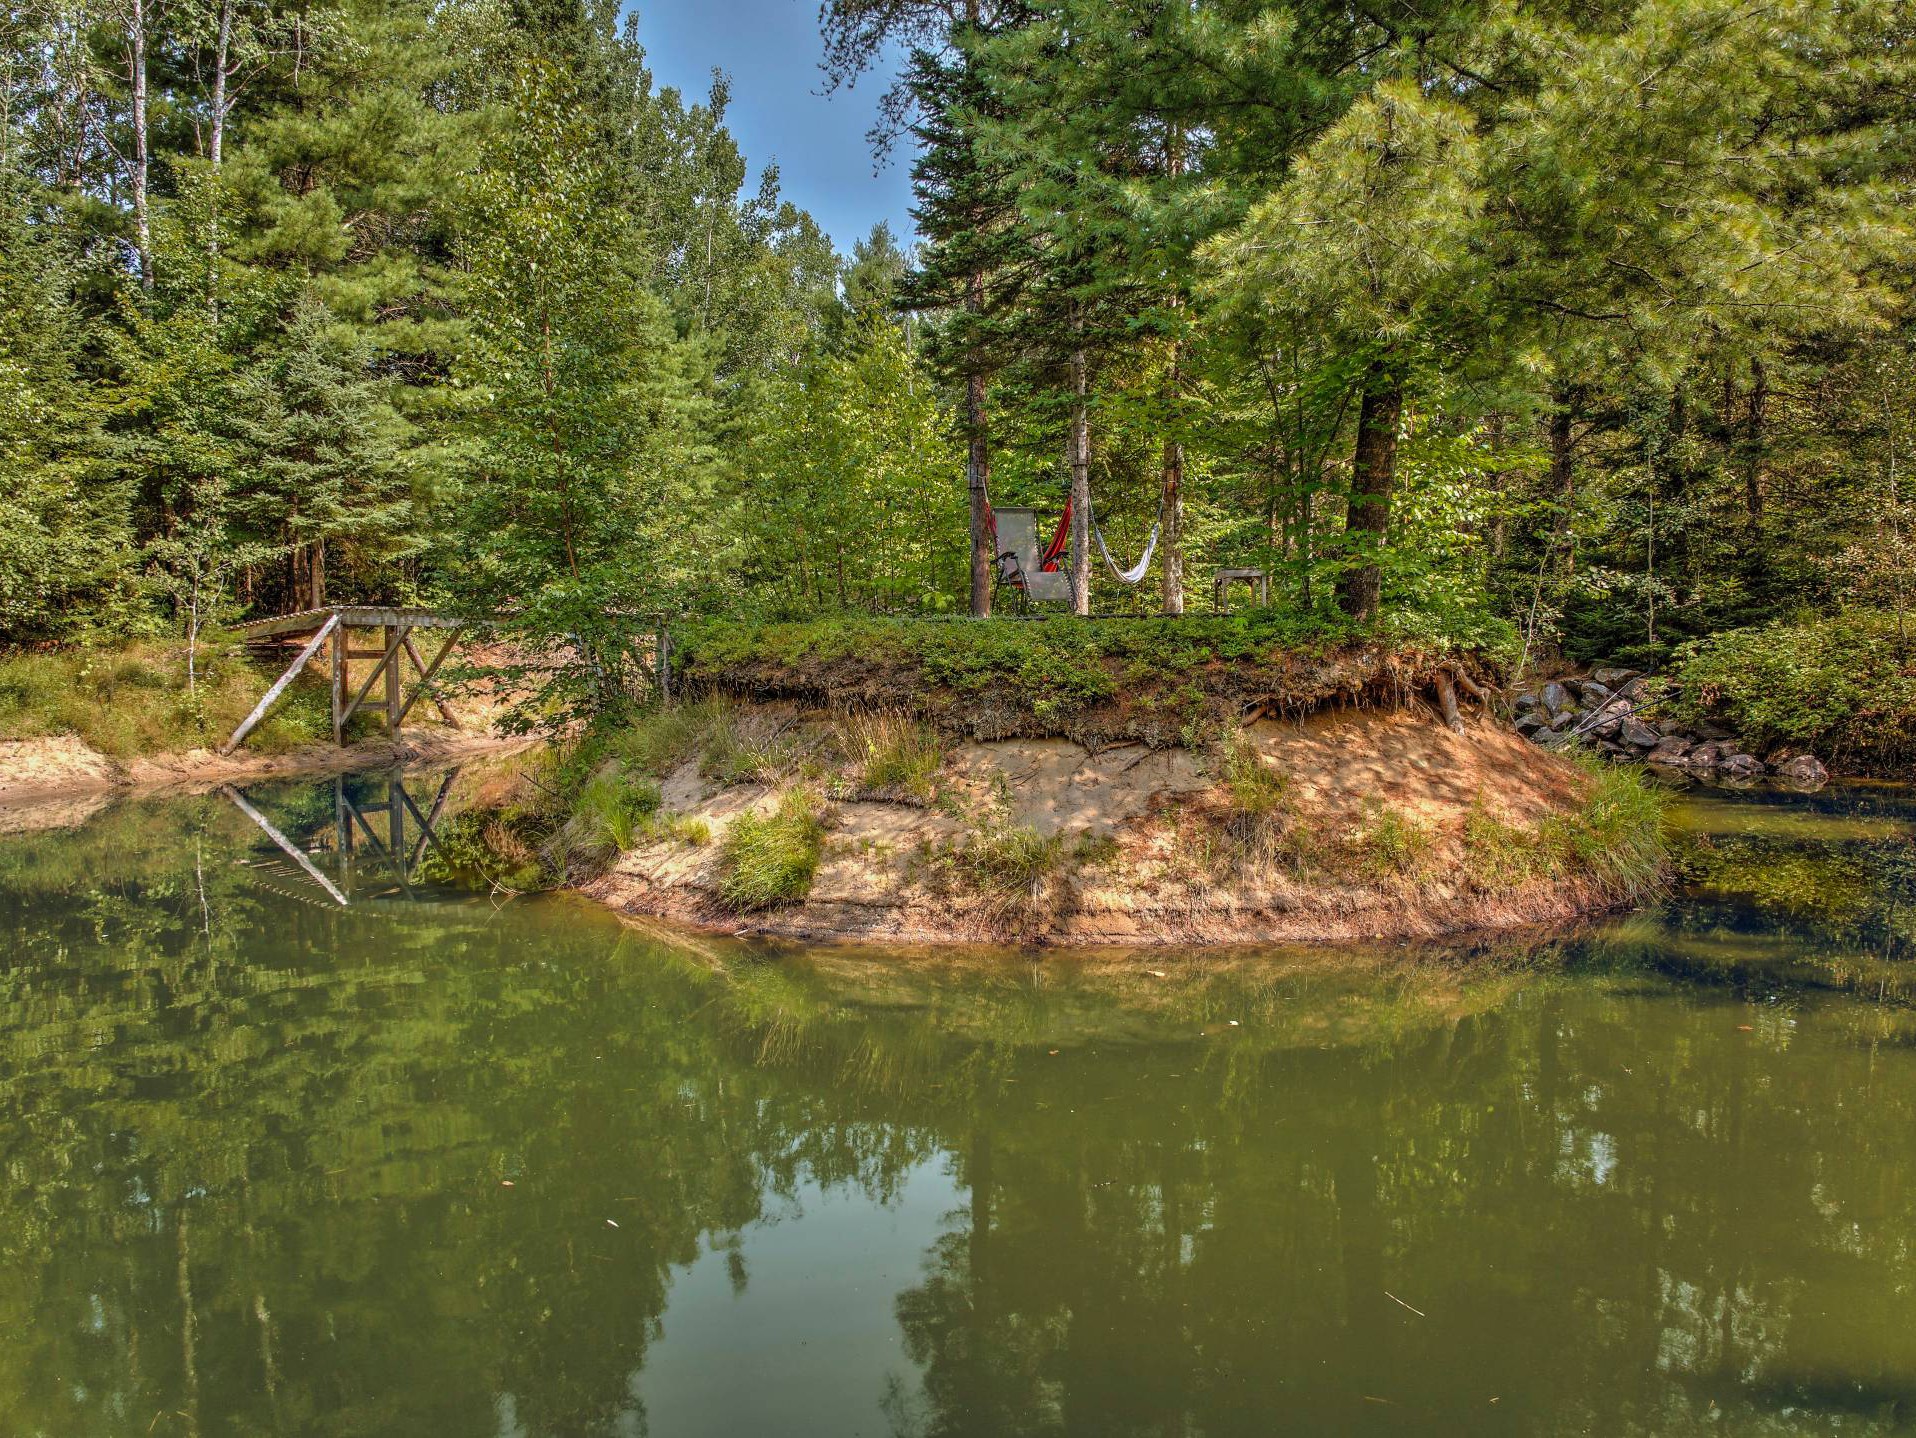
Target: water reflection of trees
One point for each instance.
(255, 1151)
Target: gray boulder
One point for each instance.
(1705, 755)
(1529, 722)
(1592, 692)
(1566, 720)
(1527, 701)
(1804, 769)
(1639, 735)
(1742, 766)
(1671, 749)
(1614, 678)
(1555, 697)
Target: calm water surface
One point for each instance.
(423, 1163)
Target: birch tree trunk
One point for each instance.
(136, 78)
(215, 149)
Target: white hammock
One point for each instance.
(1137, 571)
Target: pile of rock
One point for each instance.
(1600, 711)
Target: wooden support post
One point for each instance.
(388, 660)
(342, 829)
(395, 636)
(396, 801)
(339, 684)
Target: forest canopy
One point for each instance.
(1592, 319)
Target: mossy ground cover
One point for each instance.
(1842, 686)
(1162, 681)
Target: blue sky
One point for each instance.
(779, 112)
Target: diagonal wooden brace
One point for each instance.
(247, 724)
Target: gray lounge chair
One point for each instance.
(1018, 554)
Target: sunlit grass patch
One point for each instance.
(769, 859)
(615, 806)
(1388, 845)
(134, 699)
(1500, 856)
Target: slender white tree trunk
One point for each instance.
(1080, 452)
(136, 76)
(215, 150)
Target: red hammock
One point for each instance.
(1060, 537)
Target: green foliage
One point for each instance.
(769, 859)
(1840, 686)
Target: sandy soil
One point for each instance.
(1138, 811)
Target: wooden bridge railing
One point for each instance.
(396, 649)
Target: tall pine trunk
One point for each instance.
(1753, 447)
(1561, 432)
(1080, 457)
(1373, 476)
(1171, 541)
(978, 465)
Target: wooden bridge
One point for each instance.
(396, 848)
(354, 632)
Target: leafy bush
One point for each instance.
(772, 858)
(1837, 685)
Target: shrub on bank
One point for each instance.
(769, 859)
(1843, 686)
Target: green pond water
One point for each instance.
(425, 1163)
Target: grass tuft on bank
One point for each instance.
(769, 859)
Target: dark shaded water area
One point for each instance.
(426, 1162)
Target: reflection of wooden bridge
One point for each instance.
(396, 649)
(389, 841)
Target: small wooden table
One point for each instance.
(1258, 579)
